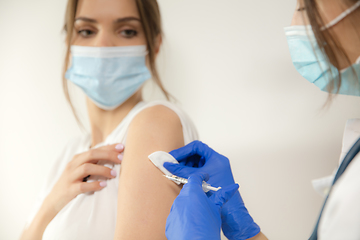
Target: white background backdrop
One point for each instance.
(227, 63)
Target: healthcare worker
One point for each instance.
(324, 43)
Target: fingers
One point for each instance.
(109, 153)
(198, 178)
(92, 169)
(118, 146)
(180, 171)
(225, 194)
(195, 147)
(85, 187)
(194, 185)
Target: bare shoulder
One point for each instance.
(159, 123)
(154, 115)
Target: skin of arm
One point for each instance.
(260, 236)
(145, 196)
(37, 227)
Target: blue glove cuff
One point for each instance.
(237, 224)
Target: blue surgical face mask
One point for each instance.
(312, 64)
(108, 75)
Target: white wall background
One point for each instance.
(227, 62)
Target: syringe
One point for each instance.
(206, 187)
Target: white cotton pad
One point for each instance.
(159, 158)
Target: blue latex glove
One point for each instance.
(194, 215)
(236, 220)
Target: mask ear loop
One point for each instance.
(341, 16)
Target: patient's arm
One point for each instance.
(259, 236)
(145, 196)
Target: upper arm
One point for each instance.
(145, 196)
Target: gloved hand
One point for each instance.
(236, 220)
(194, 215)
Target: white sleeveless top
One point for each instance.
(92, 216)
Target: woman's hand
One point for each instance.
(71, 184)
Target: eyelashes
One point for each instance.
(85, 33)
(129, 33)
(126, 33)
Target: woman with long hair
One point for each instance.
(112, 46)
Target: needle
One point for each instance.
(206, 187)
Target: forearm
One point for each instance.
(260, 236)
(41, 220)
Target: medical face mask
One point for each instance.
(312, 64)
(108, 75)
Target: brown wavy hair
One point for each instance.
(151, 22)
(328, 41)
